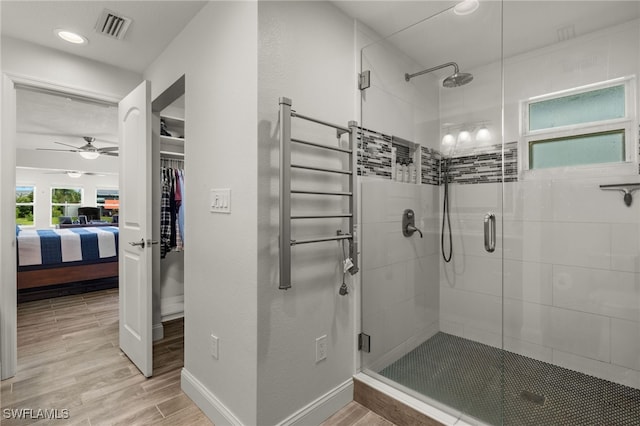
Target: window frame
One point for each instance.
(52, 204)
(101, 205)
(628, 124)
(32, 204)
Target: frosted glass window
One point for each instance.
(587, 107)
(605, 147)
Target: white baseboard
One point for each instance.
(206, 401)
(322, 408)
(157, 331)
(171, 308)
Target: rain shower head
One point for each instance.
(457, 79)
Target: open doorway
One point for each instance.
(70, 342)
(168, 143)
(66, 194)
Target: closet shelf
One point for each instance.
(172, 154)
(173, 121)
(169, 140)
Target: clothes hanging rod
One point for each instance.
(321, 216)
(324, 123)
(321, 169)
(321, 240)
(345, 194)
(319, 145)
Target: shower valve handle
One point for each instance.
(409, 223)
(411, 229)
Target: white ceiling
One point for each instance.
(475, 39)
(43, 119)
(155, 24)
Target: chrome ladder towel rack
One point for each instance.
(286, 242)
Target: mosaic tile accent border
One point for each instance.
(430, 166)
(374, 154)
(485, 166)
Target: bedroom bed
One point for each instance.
(49, 257)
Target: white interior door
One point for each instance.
(134, 121)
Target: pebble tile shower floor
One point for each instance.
(467, 375)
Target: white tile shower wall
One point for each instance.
(571, 251)
(400, 294)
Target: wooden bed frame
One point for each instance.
(66, 274)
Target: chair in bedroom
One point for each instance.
(92, 213)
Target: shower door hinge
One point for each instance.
(364, 342)
(364, 80)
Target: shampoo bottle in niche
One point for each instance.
(413, 177)
(405, 172)
(399, 173)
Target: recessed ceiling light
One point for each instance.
(73, 174)
(466, 7)
(71, 37)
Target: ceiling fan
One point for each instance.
(88, 151)
(73, 173)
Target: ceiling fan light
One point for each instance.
(89, 155)
(73, 174)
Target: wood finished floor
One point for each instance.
(69, 358)
(354, 414)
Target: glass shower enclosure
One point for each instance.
(519, 300)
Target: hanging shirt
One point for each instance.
(165, 216)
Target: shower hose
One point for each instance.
(445, 217)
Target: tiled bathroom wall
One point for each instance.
(400, 292)
(374, 154)
(571, 251)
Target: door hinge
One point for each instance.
(364, 80)
(364, 342)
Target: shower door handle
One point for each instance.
(490, 232)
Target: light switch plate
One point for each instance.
(220, 200)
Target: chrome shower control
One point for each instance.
(409, 223)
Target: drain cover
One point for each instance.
(533, 397)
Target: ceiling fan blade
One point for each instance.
(108, 148)
(66, 144)
(110, 154)
(59, 150)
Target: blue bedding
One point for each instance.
(45, 248)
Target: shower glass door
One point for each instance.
(435, 325)
(571, 239)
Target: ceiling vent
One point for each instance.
(112, 24)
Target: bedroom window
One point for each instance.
(590, 125)
(25, 203)
(64, 204)
(108, 200)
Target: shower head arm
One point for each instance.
(408, 76)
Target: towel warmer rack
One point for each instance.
(286, 242)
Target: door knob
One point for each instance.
(140, 243)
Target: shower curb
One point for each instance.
(388, 407)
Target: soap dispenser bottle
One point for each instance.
(413, 178)
(399, 172)
(405, 172)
